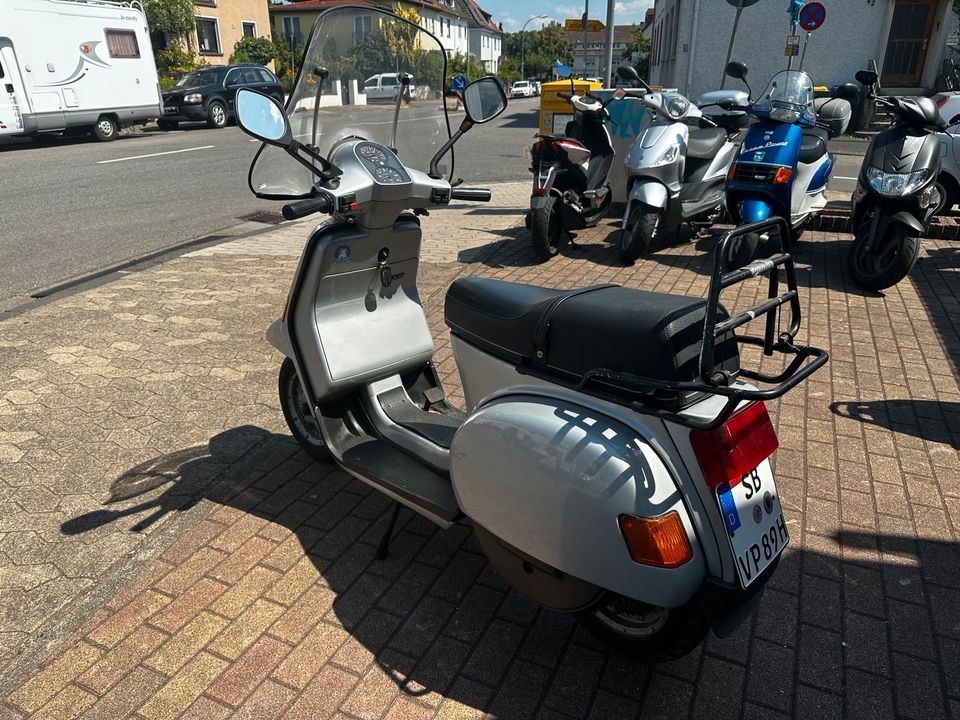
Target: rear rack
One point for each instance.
(720, 382)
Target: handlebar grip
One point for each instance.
(474, 194)
(302, 208)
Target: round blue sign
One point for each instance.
(458, 82)
(812, 16)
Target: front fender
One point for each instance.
(538, 201)
(752, 211)
(649, 192)
(905, 218)
(278, 338)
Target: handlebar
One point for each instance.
(302, 208)
(565, 96)
(473, 194)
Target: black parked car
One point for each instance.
(209, 93)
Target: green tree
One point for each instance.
(172, 17)
(540, 49)
(641, 46)
(258, 50)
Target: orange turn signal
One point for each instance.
(660, 541)
(732, 171)
(782, 175)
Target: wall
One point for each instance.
(854, 32)
(230, 14)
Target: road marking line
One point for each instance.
(843, 177)
(169, 152)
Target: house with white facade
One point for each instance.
(485, 37)
(904, 40)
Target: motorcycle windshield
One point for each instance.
(791, 93)
(347, 87)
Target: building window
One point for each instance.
(291, 30)
(122, 43)
(249, 29)
(362, 24)
(208, 36)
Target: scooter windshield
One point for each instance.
(349, 82)
(788, 97)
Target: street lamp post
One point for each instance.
(523, 74)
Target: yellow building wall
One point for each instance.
(230, 15)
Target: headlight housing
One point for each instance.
(896, 184)
(193, 99)
(669, 155)
(676, 106)
(784, 115)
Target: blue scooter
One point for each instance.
(782, 167)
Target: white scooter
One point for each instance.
(675, 173)
(632, 488)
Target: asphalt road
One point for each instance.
(72, 207)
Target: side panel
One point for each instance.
(551, 478)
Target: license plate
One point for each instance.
(169, 109)
(754, 522)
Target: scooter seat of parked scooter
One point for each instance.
(813, 145)
(705, 143)
(570, 332)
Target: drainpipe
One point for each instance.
(693, 44)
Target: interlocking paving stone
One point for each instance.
(165, 399)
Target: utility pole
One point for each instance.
(585, 20)
(608, 75)
(523, 30)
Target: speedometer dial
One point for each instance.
(372, 154)
(387, 175)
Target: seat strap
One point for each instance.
(543, 325)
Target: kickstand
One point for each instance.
(384, 546)
(570, 239)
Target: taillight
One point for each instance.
(556, 146)
(732, 450)
(942, 101)
(537, 146)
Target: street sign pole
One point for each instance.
(733, 37)
(804, 53)
(586, 20)
(608, 75)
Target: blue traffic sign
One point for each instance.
(812, 16)
(458, 82)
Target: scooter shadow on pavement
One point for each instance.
(436, 619)
(931, 420)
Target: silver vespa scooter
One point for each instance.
(675, 173)
(631, 488)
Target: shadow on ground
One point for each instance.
(437, 619)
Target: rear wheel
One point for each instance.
(949, 194)
(887, 263)
(106, 129)
(645, 632)
(545, 229)
(638, 236)
(742, 251)
(217, 115)
(296, 411)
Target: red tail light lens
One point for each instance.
(941, 100)
(735, 448)
(537, 146)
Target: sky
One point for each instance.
(513, 14)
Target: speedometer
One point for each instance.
(372, 153)
(387, 175)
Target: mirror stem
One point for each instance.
(403, 87)
(435, 162)
(320, 74)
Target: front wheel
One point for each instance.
(637, 237)
(106, 129)
(646, 632)
(545, 228)
(217, 115)
(889, 261)
(296, 411)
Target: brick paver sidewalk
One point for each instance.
(272, 603)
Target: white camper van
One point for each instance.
(75, 65)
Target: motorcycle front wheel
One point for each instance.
(887, 263)
(545, 230)
(296, 411)
(645, 632)
(637, 237)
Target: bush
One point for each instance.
(258, 50)
(174, 61)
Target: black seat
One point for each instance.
(705, 142)
(813, 145)
(634, 331)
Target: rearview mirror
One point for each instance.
(866, 77)
(847, 91)
(736, 69)
(625, 72)
(484, 99)
(262, 117)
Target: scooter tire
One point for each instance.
(545, 230)
(901, 259)
(637, 238)
(597, 215)
(296, 411)
(677, 632)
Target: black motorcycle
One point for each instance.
(570, 188)
(896, 195)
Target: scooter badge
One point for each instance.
(757, 513)
(341, 254)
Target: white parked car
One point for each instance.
(521, 88)
(384, 87)
(948, 104)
